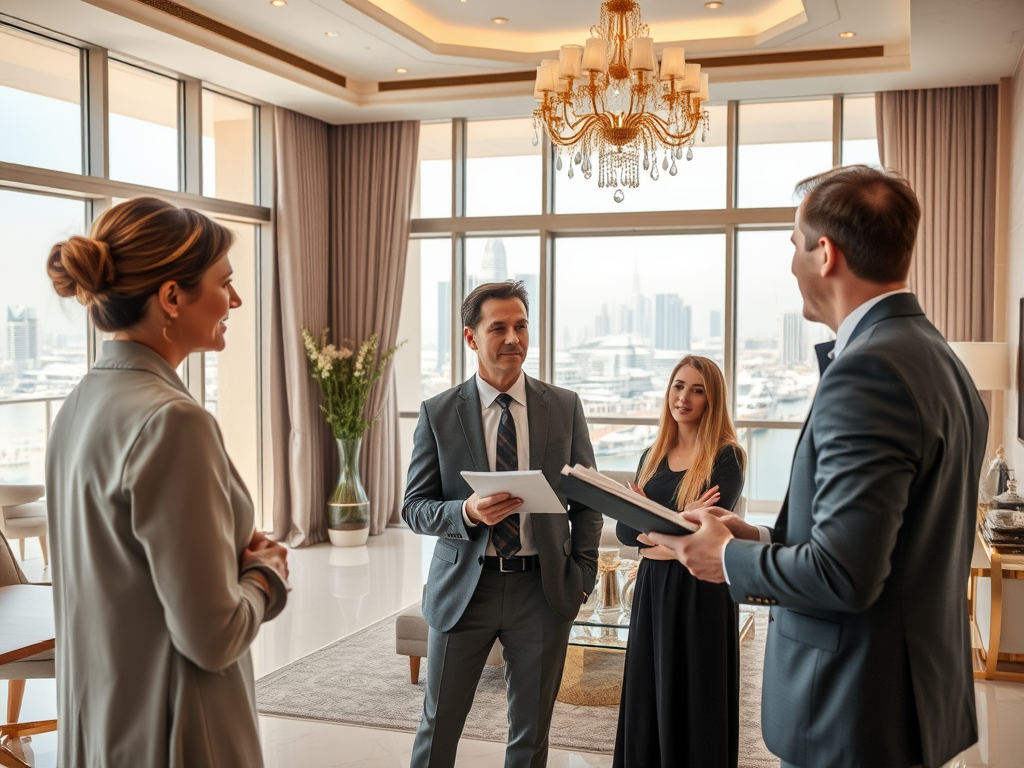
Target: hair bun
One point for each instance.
(81, 267)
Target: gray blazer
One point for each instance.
(450, 438)
(868, 657)
(148, 519)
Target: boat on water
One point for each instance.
(624, 441)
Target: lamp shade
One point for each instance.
(673, 63)
(569, 60)
(988, 362)
(642, 56)
(547, 78)
(595, 56)
(690, 82)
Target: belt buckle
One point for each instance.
(502, 568)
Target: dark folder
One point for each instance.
(634, 516)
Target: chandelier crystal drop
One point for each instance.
(611, 97)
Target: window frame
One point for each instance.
(94, 185)
(550, 226)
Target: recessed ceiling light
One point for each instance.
(279, 3)
(500, 20)
(714, 5)
(847, 34)
(332, 33)
(401, 70)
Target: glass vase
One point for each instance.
(348, 509)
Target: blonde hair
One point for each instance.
(714, 433)
(134, 248)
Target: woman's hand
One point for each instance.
(637, 489)
(709, 498)
(265, 552)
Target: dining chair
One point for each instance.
(35, 667)
(23, 516)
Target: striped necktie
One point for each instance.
(505, 535)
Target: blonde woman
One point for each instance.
(680, 688)
(160, 580)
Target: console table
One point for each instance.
(1000, 568)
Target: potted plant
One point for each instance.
(346, 377)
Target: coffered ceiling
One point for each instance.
(337, 59)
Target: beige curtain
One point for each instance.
(302, 443)
(342, 213)
(944, 142)
(373, 171)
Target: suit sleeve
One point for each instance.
(425, 510)
(178, 480)
(586, 523)
(866, 429)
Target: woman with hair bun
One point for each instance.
(680, 684)
(160, 580)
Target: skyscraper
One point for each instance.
(716, 324)
(668, 322)
(22, 336)
(792, 339)
(444, 324)
(687, 329)
(494, 266)
(603, 322)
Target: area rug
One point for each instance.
(360, 680)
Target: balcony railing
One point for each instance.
(24, 433)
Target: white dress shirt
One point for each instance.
(843, 334)
(490, 415)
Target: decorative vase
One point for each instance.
(348, 509)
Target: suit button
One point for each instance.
(480, 560)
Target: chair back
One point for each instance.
(10, 571)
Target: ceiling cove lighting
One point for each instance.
(499, 20)
(847, 34)
(714, 5)
(401, 70)
(609, 97)
(279, 3)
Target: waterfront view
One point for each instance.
(626, 310)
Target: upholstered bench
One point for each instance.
(411, 641)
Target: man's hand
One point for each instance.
(739, 528)
(700, 552)
(491, 510)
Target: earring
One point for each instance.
(167, 325)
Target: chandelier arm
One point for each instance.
(585, 124)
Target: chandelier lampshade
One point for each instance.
(611, 99)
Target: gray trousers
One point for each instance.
(512, 607)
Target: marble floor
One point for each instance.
(339, 591)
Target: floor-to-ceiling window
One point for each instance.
(82, 128)
(696, 261)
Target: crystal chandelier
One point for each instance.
(610, 98)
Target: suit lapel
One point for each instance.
(537, 417)
(468, 409)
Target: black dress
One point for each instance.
(681, 683)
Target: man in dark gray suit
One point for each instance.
(868, 662)
(498, 571)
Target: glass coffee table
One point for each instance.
(594, 658)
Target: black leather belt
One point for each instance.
(512, 564)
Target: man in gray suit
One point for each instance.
(868, 662)
(498, 571)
